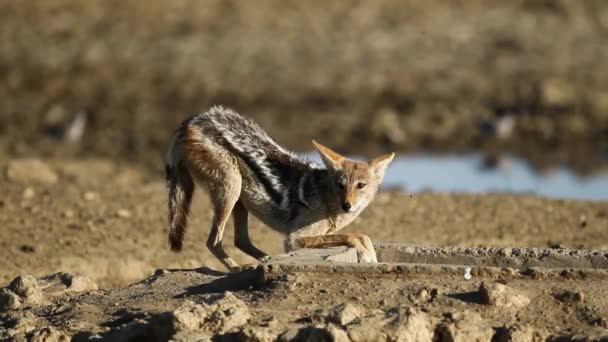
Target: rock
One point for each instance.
(226, 313)
(343, 314)
(568, 296)
(22, 326)
(367, 330)
(29, 193)
(255, 334)
(123, 213)
(336, 334)
(410, 324)
(68, 213)
(60, 283)
(500, 295)
(27, 288)
(464, 327)
(398, 324)
(421, 296)
(189, 336)
(79, 283)
(49, 334)
(557, 92)
(289, 335)
(505, 252)
(9, 300)
(90, 196)
(31, 171)
(520, 333)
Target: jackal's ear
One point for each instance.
(378, 165)
(332, 159)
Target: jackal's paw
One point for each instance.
(368, 257)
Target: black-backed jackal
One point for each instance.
(245, 171)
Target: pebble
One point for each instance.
(29, 193)
(90, 196)
(123, 213)
(501, 295)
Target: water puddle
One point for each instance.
(469, 173)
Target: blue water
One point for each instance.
(465, 173)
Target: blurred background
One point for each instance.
(524, 77)
(473, 95)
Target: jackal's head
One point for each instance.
(355, 183)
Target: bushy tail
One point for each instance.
(181, 188)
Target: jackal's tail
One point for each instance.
(181, 188)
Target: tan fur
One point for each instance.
(310, 217)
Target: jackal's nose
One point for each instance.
(346, 206)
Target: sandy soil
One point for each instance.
(94, 89)
(106, 220)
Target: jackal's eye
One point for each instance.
(340, 185)
(361, 185)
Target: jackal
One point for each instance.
(245, 171)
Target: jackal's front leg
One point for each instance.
(361, 242)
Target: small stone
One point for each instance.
(68, 213)
(90, 196)
(501, 295)
(27, 288)
(505, 252)
(9, 300)
(463, 327)
(29, 193)
(336, 334)
(371, 330)
(557, 92)
(224, 314)
(255, 334)
(31, 171)
(568, 296)
(411, 325)
(80, 283)
(343, 314)
(289, 335)
(421, 296)
(123, 213)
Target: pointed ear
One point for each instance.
(379, 164)
(332, 159)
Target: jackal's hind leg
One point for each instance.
(361, 242)
(242, 241)
(224, 195)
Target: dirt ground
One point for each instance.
(106, 220)
(93, 91)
